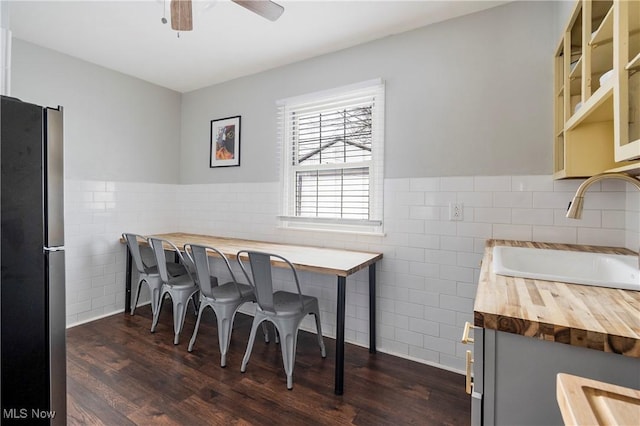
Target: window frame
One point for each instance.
(287, 198)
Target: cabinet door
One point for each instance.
(478, 378)
(568, 89)
(627, 95)
(521, 389)
(475, 365)
(598, 52)
(561, 107)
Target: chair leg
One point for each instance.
(224, 316)
(179, 312)
(252, 337)
(155, 298)
(154, 323)
(135, 302)
(277, 335)
(323, 351)
(195, 298)
(288, 342)
(195, 330)
(265, 331)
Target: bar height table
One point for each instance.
(341, 263)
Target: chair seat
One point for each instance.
(286, 303)
(181, 282)
(228, 292)
(174, 269)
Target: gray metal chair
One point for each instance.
(284, 309)
(180, 288)
(224, 299)
(148, 273)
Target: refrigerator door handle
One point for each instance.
(54, 177)
(55, 248)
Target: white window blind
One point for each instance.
(332, 158)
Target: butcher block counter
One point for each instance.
(519, 323)
(598, 318)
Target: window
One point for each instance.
(332, 159)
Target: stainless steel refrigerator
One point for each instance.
(32, 290)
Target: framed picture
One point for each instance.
(225, 142)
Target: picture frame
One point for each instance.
(224, 150)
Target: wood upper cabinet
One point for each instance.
(627, 92)
(596, 96)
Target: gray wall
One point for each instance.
(564, 9)
(469, 96)
(117, 128)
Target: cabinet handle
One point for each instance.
(465, 334)
(468, 382)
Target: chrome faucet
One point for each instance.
(575, 206)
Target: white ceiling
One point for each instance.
(227, 41)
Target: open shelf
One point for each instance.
(634, 64)
(575, 71)
(598, 108)
(603, 134)
(601, 60)
(604, 33)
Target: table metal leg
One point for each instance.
(127, 292)
(372, 309)
(339, 381)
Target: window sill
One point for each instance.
(375, 230)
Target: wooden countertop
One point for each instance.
(584, 401)
(338, 262)
(598, 318)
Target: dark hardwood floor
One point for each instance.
(121, 374)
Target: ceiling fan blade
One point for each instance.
(181, 17)
(265, 8)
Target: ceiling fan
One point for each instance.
(181, 12)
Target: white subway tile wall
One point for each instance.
(426, 280)
(632, 219)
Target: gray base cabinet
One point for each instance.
(515, 376)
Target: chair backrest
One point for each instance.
(134, 248)
(262, 282)
(199, 255)
(157, 245)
